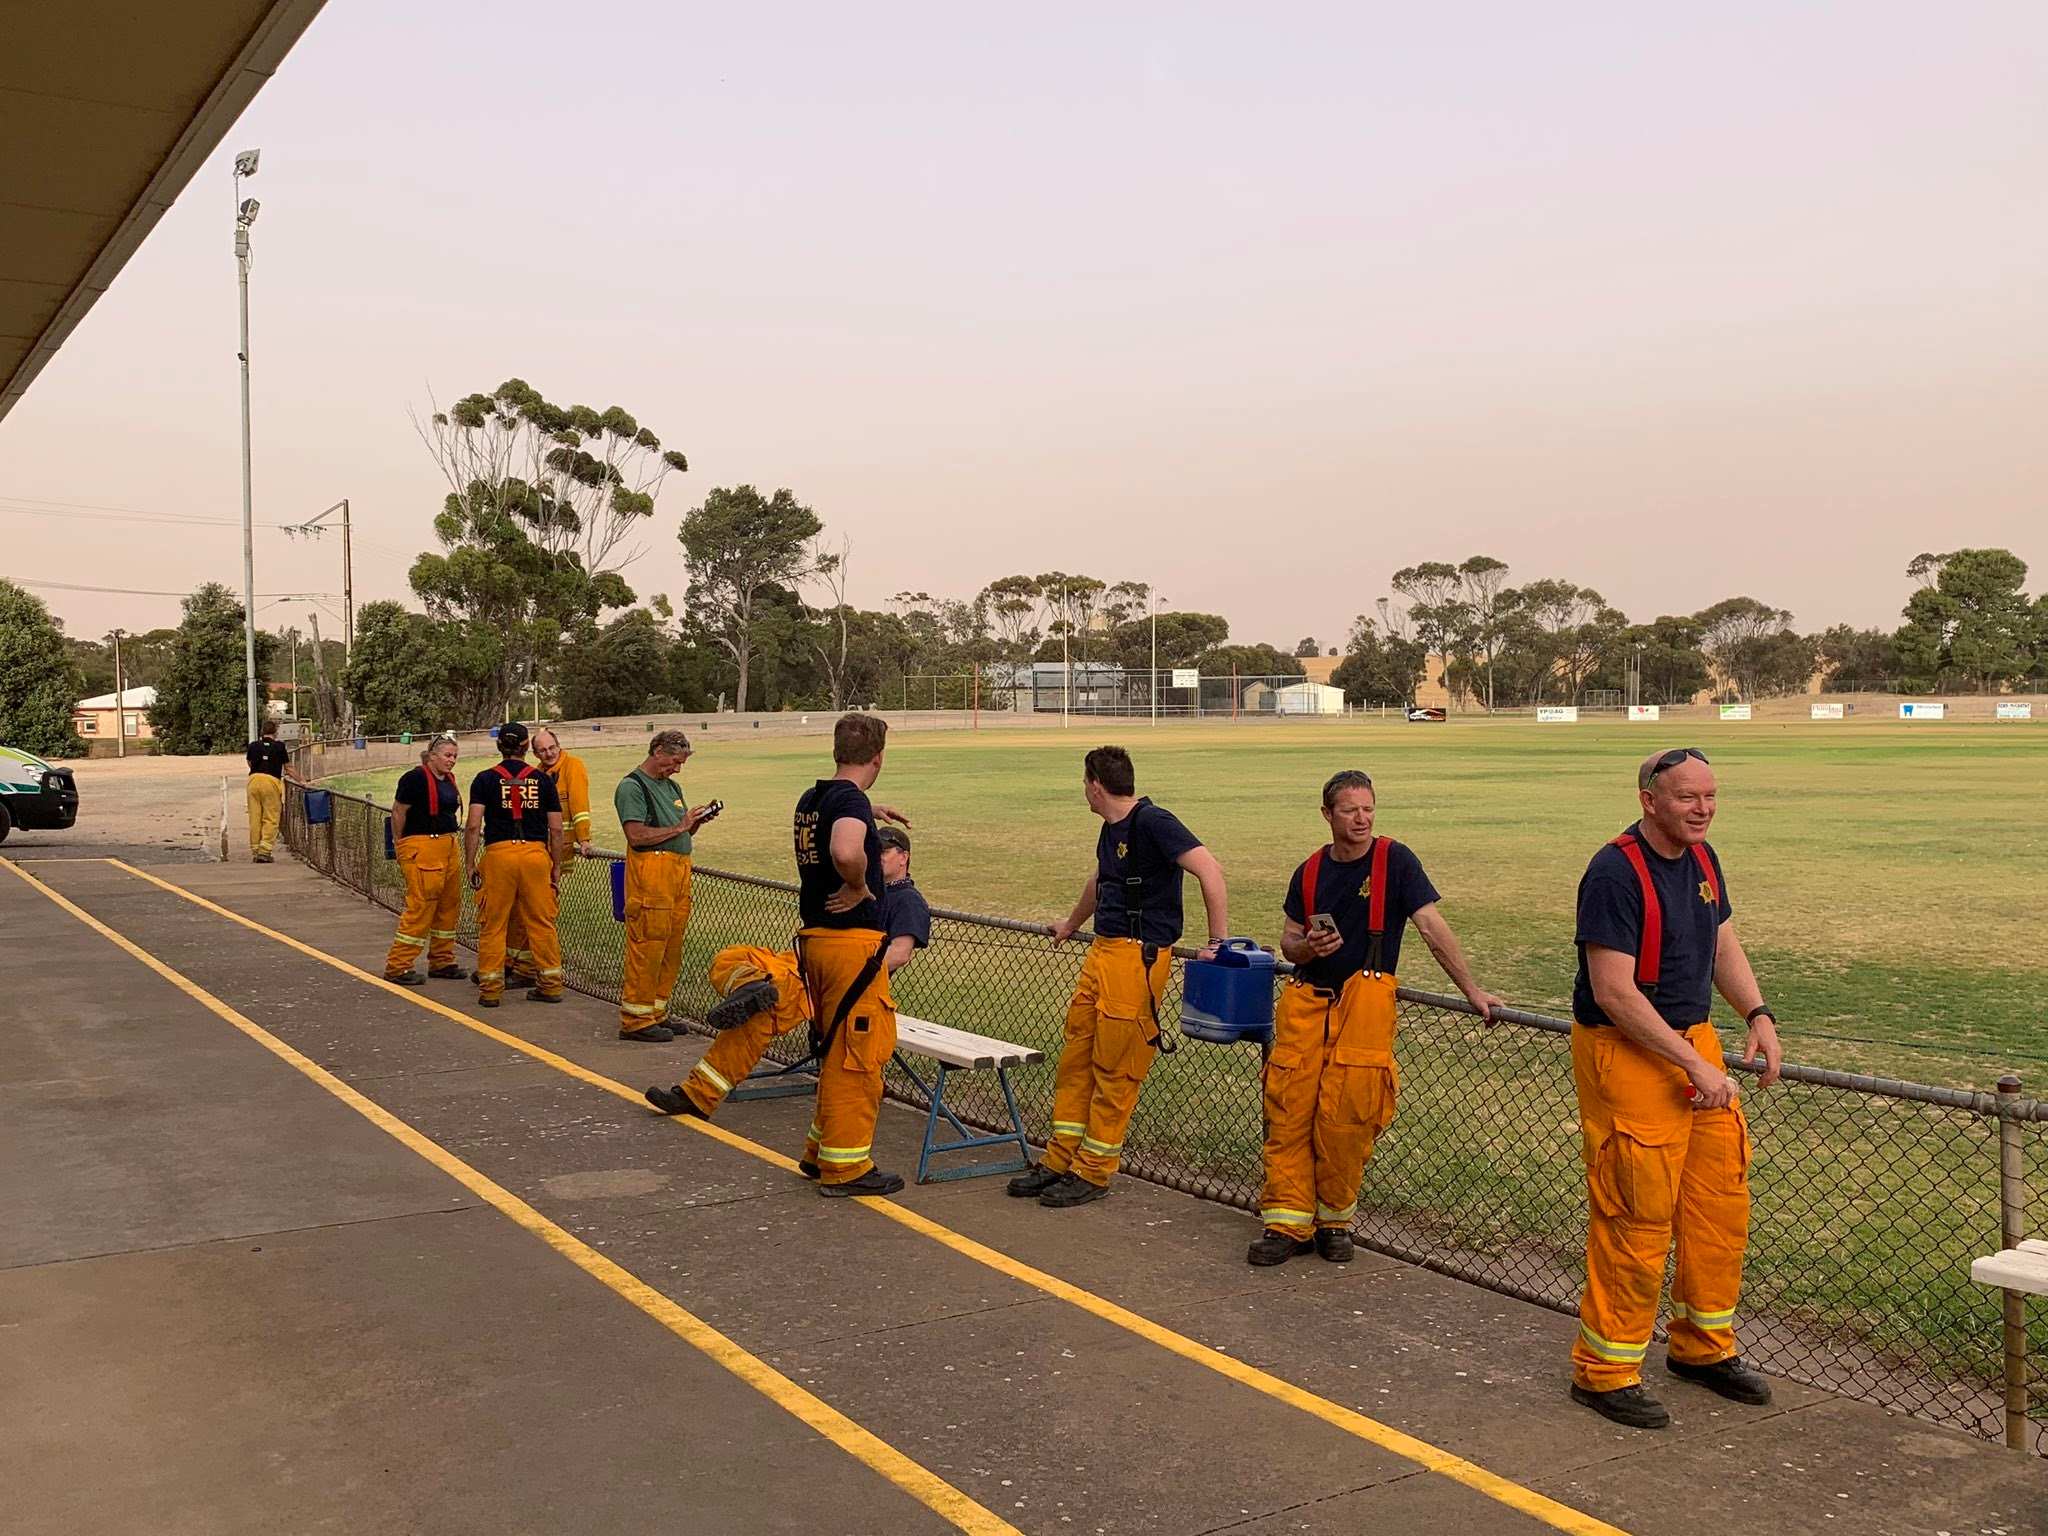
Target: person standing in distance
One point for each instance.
(1113, 1031)
(843, 950)
(515, 811)
(659, 830)
(1330, 1080)
(425, 812)
(270, 764)
(1665, 1141)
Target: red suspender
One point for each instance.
(433, 793)
(1376, 899)
(1309, 871)
(1650, 948)
(525, 772)
(1706, 863)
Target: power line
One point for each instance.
(175, 519)
(71, 586)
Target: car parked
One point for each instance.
(34, 794)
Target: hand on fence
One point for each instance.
(1763, 1036)
(1063, 931)
(1485, 1002)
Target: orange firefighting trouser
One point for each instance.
(1329, 1092)
(657, 915)
(842, 1136)
(518, 954)
(736, 1052)
(266, 805)
(433, 902)
(517, 879)
(1654, 1163)
(1108, 1049)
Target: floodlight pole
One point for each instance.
(248, 511)
(1154, 597)
(1066, 666)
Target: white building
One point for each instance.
(1308, 699)
(95, 718)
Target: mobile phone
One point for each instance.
(1322, 922)
(711, 812)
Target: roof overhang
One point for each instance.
(107, 109)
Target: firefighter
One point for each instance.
(1665, 1141)
(1112, 1030)
(425, 812)
(1330, 1079)
(762, 995)
(659, 829)
(517, 814)
(572, 785)
(270, 764)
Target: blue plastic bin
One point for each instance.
(319, 808)
(1230, 998)
(618, 890)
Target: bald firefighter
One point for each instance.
(1330, 1080)
(1112, 1031)
(659, 830)
(516, 814)
(572, 786)
(762, 995)
(1665, 1141)
(426, 810)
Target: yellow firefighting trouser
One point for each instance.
(266, 805)
(1103, 1060)
(1330, 1088)
(841, 1140)
(518, 952)
(517, 879)
(1654, 1163)
(657, 915)
(736, 1052)
(433, 902)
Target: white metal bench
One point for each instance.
(2019, 1271)
(2024, 1268)
(960, 1050)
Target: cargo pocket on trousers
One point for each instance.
(870, 1038)
(1122, 1042)
(1636, 1172)
(1370, 1089)
(1284, 1082)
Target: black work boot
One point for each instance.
(1334, 1244)
(873, 1182)
(535, 995)
(1276, 1248)
(651, 1034)
(673, 1101)
(407, 979)
(1072, 1190)
(449, 973)
(1731, 1378)
(1033, 1182)
(809, 1170)
(1631, 1406)
(740, 1005)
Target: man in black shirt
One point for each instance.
(1330, 1081)
(517, 813)
(269, 766)
(425, 811)
(1665, 1141)
(906, 916)
(1112, 1031)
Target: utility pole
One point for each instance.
(295, 674)
(120, 700)
(1154, 596)
(313, 528)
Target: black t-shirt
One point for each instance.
(1611, 915)
(268, 755)
(822, 806)
(905, 914)
(515, 810)
(432, 804)
(1146, 845)
(1344, 890)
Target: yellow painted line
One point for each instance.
(941, 1497)
(1561, 1517)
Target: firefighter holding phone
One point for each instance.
(659, 828)
(1330, 1080)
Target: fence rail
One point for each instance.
(1871, 1196)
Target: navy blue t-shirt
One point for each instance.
(432, 804)
(1345, 892)
(1611, 915)
(822, 806)
(515, 802)
(1147, 845)
(906, 914)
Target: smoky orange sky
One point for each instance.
(1256, 304)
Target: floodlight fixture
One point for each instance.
(245, 162)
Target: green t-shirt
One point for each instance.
(656, 802)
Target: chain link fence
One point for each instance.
(1871, 1196)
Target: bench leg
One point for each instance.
(965, 1139)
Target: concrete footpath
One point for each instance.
(231, 1302)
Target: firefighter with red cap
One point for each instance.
(1330, 1080)
(1665, 1141)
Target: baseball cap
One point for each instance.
(893, 837)
(511, 734)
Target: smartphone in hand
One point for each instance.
(1322, 922)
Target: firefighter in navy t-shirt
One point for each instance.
(515, 810)
(425, 812)
(1112, 1031)
(1330, 1080)
(1665, 1141)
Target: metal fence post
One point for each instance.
(2012, 1227)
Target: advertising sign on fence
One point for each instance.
(1735, 712)
(1557, 714)
(2015, 709)
(1186, 677)
(1922, 710)
(1644, 712)
(1827, 712)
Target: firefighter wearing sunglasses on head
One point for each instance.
(1330, 1080)
(1666, 1144)
(1113, 1029)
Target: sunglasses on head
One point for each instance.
(1671, 759)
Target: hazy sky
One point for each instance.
(1255, 303)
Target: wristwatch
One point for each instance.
(1761, 1010)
